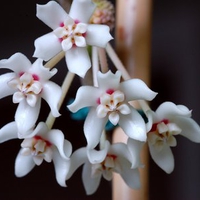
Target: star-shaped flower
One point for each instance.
(110, 100)
(97, 164)
(71, 34)
(28, 83)
(42, 144)
(170, 120)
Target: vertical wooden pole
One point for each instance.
(133, 44)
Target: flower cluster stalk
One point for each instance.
(65, 88)
(51, 63)
(125, 75)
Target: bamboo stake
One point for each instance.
(133, 30)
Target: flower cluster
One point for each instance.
(109, 100)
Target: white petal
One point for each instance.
(60, 32)
(131, 177)
(47, 46)
(31, 99)
(101, 111)
(38, 160)
(172, 141)
(36, 87)
(93, 128)
(81, 10)
(114, 118)
(105, 99)
(5, 89)
(108, 80)
(80, 41)
(169, 110)
(162, 127)
(67, 44)
(164, 158)
(52, 14)
(64, 147)
(133, 125)
(41, 129)
(82, 99)
(108, 174)
(153, 138)
(118, 96)
(78, 60)
(149, 115)
(81, 28)
(26, 117)
(124, 109)
(136, 89)
(51, 93)
(61, 168)
(17, 97)
(48, 155)
(174, 129)
(26, 78)
(18, 63)
(190, 129)
(77, 159)
(8, 132)
(95, 156)
(135, 147)
(98, 35)
(90, 183)
(23, 164)
(42, 73)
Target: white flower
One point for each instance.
(111, 101)
(112, 158)
(170, 120)
(43, 144)
(71, 34)
(28, 83)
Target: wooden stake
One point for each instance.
(133, 36)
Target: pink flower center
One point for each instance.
(110, 91)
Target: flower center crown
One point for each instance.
(106, 167)
(111, 104)
(37, 147)
(163, 132)
(27, 86)
(71, 34)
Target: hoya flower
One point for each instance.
(42, 145)
(28, 83)
(97, 164)
(110, 100)
(170, 120)
(70, 34)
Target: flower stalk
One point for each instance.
(51, 63)
(65, 88)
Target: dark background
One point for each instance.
(175, 76)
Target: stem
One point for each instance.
(95, 65)
(103, 60)
(103, 139)
(51, 63)
(117, 62)
(65, 87)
